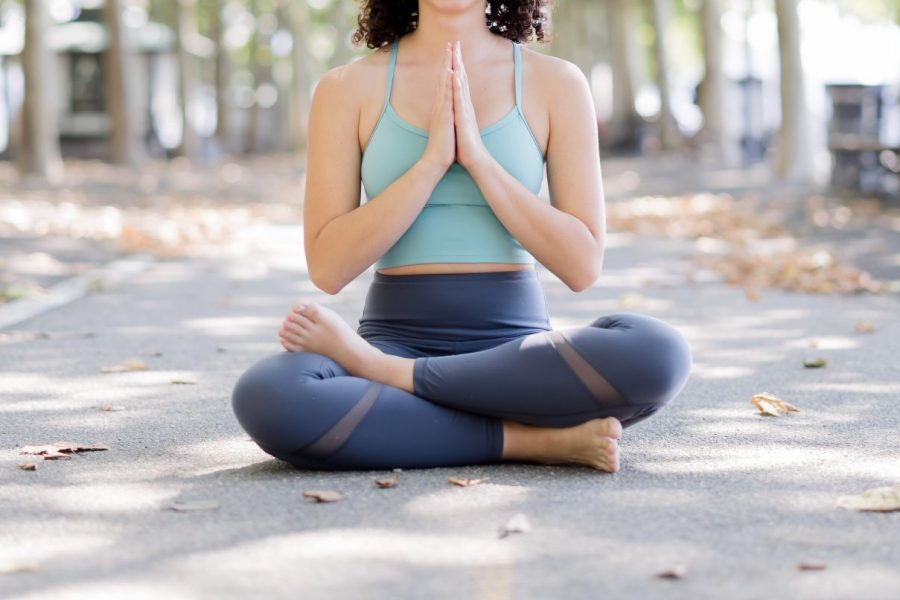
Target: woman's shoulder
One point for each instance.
(550, 69)
(357, 78)
(554, 77)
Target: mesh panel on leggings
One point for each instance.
(605, 394)
(335, 437)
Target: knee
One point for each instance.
(265, 394)
(662, 355)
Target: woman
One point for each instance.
(454, 361)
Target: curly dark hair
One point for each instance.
(380, 22)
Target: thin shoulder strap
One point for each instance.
(517, 57)
(392, 63)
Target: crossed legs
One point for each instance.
(552, 397)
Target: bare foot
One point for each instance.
(594, 443)
(313, 327)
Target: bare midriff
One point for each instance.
(454, 268)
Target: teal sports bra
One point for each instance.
(456, 225)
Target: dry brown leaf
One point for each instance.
(63, 450)
(132, 364)
(752, 294)
(387, 482)
(880, 499)
(110, 407)
(28, 466)
(323, 495)
(466, 482)
(769, 405)
(814, 363)
(676, 572)
(193, 505)
(185, 380)
(517, 524)
(811, 566)
(864, 327)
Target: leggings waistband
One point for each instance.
(454, 306)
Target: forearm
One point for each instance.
(558, 240)
(349, 244)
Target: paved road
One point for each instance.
(737, 499)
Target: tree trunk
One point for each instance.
(711, 93)
(187, 28)
(669, 135)
(222, 77)
(301, 75)
(339, 18)
(793, 157)
(39, 154)
(126, 146)
(624, 126)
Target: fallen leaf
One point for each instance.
(110, 407)
(61, 449)
(752, 294)
(767, 404)
(185, 380)
(28, 466)
(193, 505)
(808, 566)
(387, 482)
(132, 364)
(10, 568)
(517, 524)
(814, 363)
(865, 327)
(676, 572)
(465, 482)
(880, 499)
(813, 343)
(323, 495)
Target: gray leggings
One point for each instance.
(484, 352)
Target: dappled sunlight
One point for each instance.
(62, 541)
(233, 325)
(824, 342)
(707, 371)
(207, 457)
(457, 501)
(414, 548)
(90, 497)
(856, 388)
(129, 585)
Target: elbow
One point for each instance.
(589, 274)
(324, 283)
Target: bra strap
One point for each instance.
(518, 74)
(392, 63)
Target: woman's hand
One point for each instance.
(470, 148)
(441, 148)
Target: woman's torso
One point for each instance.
(493, 92)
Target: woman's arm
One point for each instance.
(341, 238)
(566, 236)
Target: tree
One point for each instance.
(40, 153)
(298, 16)
(625, 121)
(125, 142)
(669, 135)
(711, 92)
(793, 159)
(222, 75)
(187, 32)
